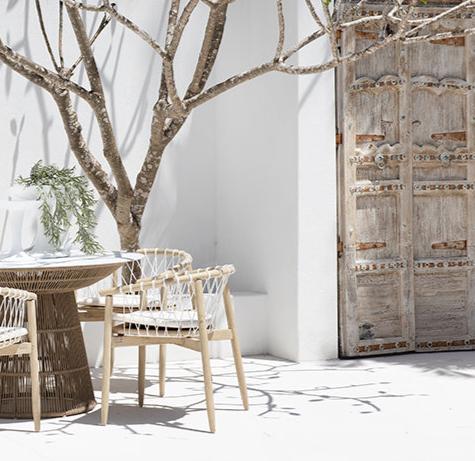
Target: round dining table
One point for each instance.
(65, 380)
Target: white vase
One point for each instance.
(19, 223)
(41, 246)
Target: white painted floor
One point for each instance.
(411, 407)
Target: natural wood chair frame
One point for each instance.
(197, 343)
(30, 347)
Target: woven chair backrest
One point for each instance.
(12, 314)
(154, 262)
(168, 305)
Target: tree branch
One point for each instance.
(331, 30)
(314, 14)
(172, 20)
(120, 18)
(98, 105)
(45, 35)
(303, 43)
(91, 167)
(464, 5)
(398, 35)
(60, 34)
(180, 27)
(105, 21)
(281, 20)
(439, 36)
(209, 50)
(40, 75)
(229, 83)
(148, 172)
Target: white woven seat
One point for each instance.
(162, 319)
(12, 335)
(120, 300)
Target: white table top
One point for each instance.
(77, 259)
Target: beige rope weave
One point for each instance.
(155, 261)
(166, 305)
(12, 315)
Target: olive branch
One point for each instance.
(64, 195)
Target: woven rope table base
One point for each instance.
(65, 381)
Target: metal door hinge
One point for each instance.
(339, 248)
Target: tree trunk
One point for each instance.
(129, 241)
(129, 236)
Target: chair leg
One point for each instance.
(205, 357)
(141, 384)
(228, 304)
(35, 389)
(34, 367)
(106, 363)
(240, 371)
(112, 360)
(162, 364)
(208, 386)
(112, 355)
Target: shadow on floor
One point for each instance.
(276, 388)
(452, 364)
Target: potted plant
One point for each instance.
(65, 200)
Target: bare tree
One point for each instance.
(398, 20)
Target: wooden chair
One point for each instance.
(18, 337)
(155, 261)
(184, 310)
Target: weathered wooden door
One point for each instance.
(407, 210)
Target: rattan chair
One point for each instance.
(18, 337)
(187, 310)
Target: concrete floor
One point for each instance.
(411, 407)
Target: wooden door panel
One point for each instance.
(386, 64)
(426, 58)
(379, 306)
(441, 306)
(434, 114)
(378, 114)
(440, 225)
(436, 173)
(373, 173)
(377, 227)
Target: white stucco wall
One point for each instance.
(276, 211)
(250, 179)
(317, 218)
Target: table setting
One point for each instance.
(53, 266)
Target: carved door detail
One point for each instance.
(406, 208)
